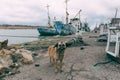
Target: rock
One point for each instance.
(5, 59)
(82, 48)
(26, 55)
(4, 44)
(102, 38)
(37, 65)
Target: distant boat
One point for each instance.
(59, 29)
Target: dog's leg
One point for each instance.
(61, 62)
(61, 66)
(56, 65)
(50, 61)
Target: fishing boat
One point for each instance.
(59, 28)
(55, 30)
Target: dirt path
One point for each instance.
(78, 65)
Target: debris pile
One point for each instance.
(12, 58)
(6, 63)
(102, 38)
(77, 41)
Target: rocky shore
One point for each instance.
(79, 61)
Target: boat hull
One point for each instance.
(47, 32)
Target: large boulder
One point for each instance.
(26, 55)
(5, 59)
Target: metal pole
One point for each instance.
(79, 18)
(49, 25)
(78, 13)
(66, 12)
(116, 13)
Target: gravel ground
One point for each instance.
(78, 64)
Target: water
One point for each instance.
(16, 36)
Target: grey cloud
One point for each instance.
(34, 12)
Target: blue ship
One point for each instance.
(59, 29)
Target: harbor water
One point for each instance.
(16, 36)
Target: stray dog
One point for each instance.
(56, 53)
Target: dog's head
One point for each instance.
(61, 46)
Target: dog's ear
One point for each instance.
(56, 45)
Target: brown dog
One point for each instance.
(56, 53)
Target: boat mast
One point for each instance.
(49, 24)
(79, 19)
(78, 14)
(116, 12)
(66, 11)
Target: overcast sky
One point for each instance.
(34, 12)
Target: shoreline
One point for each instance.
(19, 27)
(43, 43)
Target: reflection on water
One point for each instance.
(16, 36)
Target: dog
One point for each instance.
(56, 53)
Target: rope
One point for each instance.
(105, 62)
